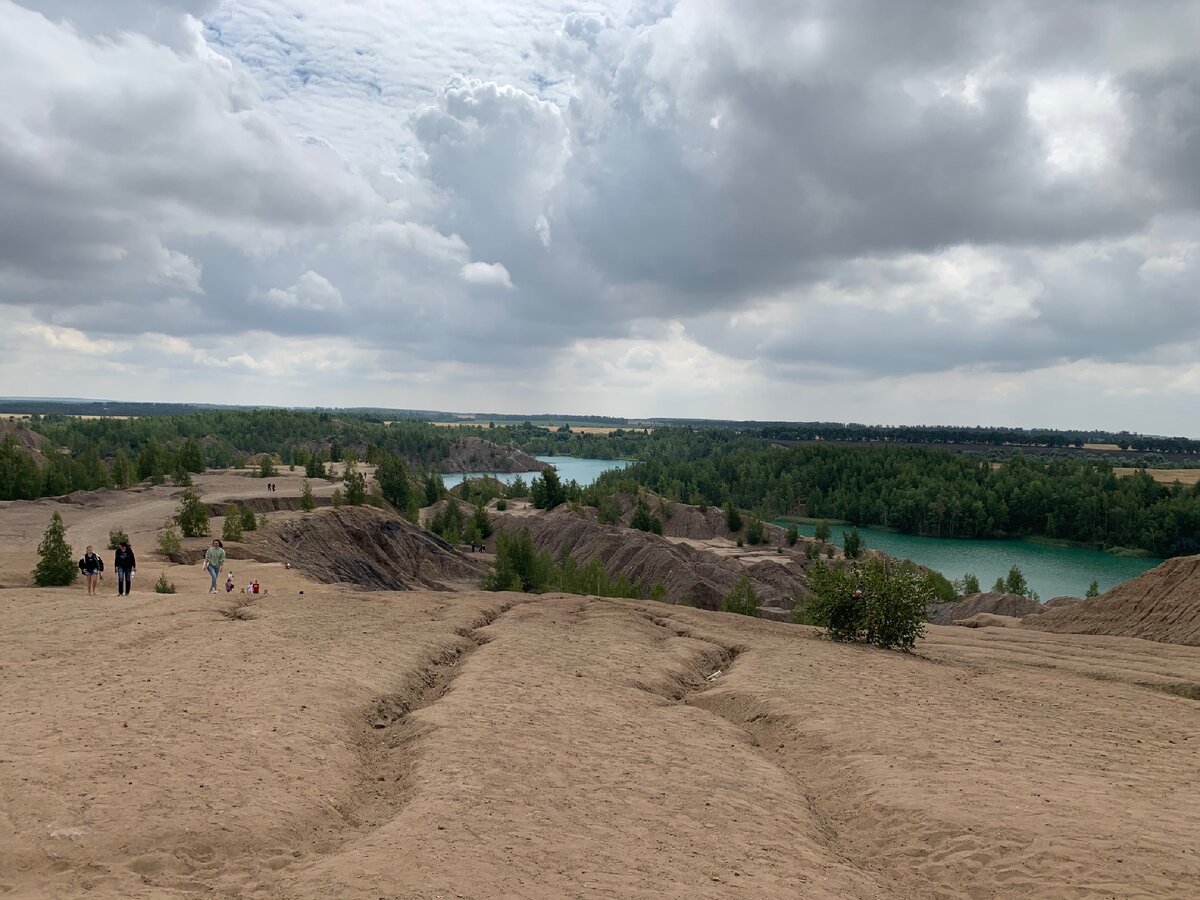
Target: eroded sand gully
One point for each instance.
(482, 745)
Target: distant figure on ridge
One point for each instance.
(214, 559)
(124, 563)
(92, 567)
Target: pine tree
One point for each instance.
(192, 515)
(56, 562)
(307, 502)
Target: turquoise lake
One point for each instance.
(584, 471)
(1051, 571)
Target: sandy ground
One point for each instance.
(421, 745)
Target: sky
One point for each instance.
(970, 212)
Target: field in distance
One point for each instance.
(1166, 476)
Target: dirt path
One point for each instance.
(422, 745)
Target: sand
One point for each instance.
(429, 745)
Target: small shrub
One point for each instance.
(501, 505)
(181, 477)
(249, 522)
(1093, 589)
(116, 538)
(263, 521)
(755, 532)
(307, 502)
(852, 544)
(822, 532)
(970, 584)
(659, 593)
(742, 599)
(830, 552)
(231, 530)
(812, 551)
(336, 499)
(162, 586)
(741, 541)
(192, 515)
(56, 566)
(643, 521)
(793, 535)
(733, 517)
(170, 544)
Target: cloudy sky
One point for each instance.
(980, 211)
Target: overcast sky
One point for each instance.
(969, 212)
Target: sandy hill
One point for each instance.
(1161, 605)
(365, 547)
(472, 454)
(690, 574)
(29, 440)
(990, 602)
(686, 521)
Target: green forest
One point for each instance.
(916, 490)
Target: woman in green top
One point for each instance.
(214, 558)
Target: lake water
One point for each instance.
(1051, 571)
(584, 471)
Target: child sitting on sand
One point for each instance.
(229, 583)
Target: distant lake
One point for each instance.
(1051, 571)
(570, 468)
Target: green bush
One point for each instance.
(170, 544)
(263, 521)
(970, 584)
(852, 544)
(793, 535)
(249, 521)
(116, 538)
(518, 563)
(162, 586)
(822, 532)
(875, 602)
(1093, 589)
(643, 521)
(193, 515)
(501, 505)
(812, 551)
(742, 599)
(56, 564)
(336, 498)
(755, 531)
(307, 501)
(659, 593)
(733, 517)
(231, 530)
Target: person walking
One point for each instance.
(124, 563)
(92, 567)
(214, 559)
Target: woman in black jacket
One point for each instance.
(124, 563)
(92, 567)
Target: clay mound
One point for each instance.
(36, 445)
(689, 574)
(1162, 605)
(367, 548)
(472, 454)
(992, 602)
(693, 522)
(428, 512)
(988, 620)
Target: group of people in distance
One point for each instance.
(92, 568)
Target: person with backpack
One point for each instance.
(214, 559)
(124, 563)
(92, 567)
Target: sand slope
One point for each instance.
(428, 745)
(1161, 605)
